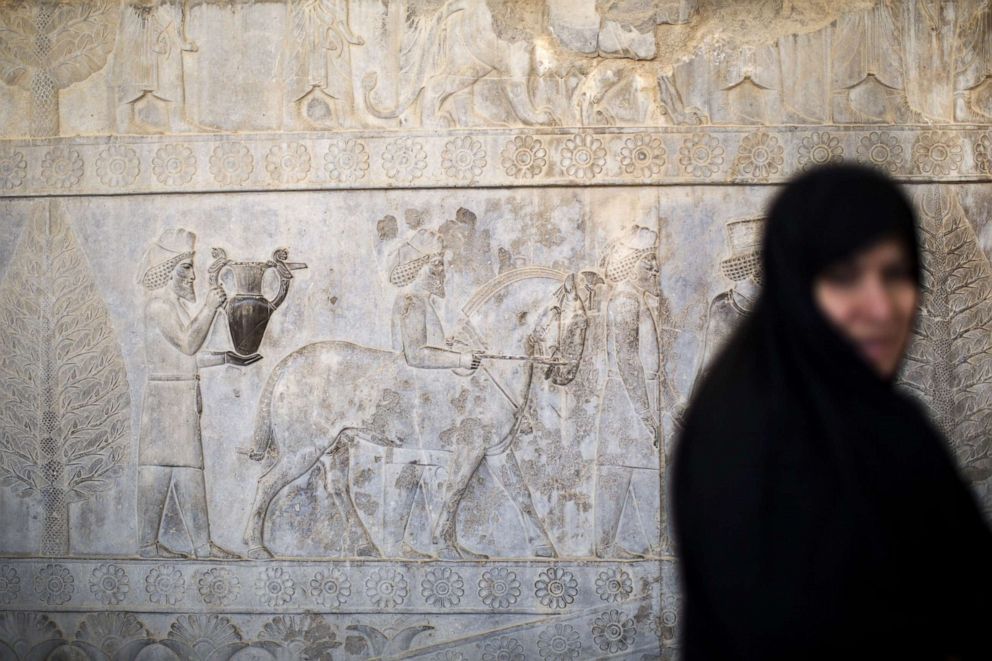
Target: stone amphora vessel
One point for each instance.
(248, 310)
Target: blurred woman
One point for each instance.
(818, 513)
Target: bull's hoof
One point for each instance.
(259, 553)
(544, 551)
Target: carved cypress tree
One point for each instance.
(64, 398)
(949, 365)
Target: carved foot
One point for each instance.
(220, 553)
(410, 553)
(158, 550)
(617, 552)
(259, 553)
(367, 551)
(544, 551)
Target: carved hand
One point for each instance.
(216, 297)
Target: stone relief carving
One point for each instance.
(148, 69)
(318, 63)
(949, 360)
(45, 47)
(65, 411)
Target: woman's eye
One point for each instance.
(842, 276)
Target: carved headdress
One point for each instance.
(744, 240)
(623, 255)
(412, 255)
(172, 247)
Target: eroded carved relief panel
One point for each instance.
(317, 343)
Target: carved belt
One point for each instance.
(173, 377)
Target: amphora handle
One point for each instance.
(284, 270)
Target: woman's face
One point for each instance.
(872, 299)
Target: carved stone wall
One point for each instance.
(342, 329)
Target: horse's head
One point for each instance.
(560, 334)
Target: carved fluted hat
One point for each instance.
(162, 256)
(744, 240)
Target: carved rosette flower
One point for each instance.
(442, 587)
(759, 156)
(54, 584)
(13, 168)
(449, 655)
(613, 632)
(583, 156)
(62, 167)
(218, 586)
(331, 588)
(346, 161)
(10, 584)
(231, 163)
(524, 157)
(499, 588)
(556, 587)
(386, 588)
(117, 166)
(204, 634)
(288, 163)
(643, 155)
(174, 165)
(668, 621)
(165, 584)
(275, 587)
(938, 153)
(109, 584)
(463, 158)
(404, 159)
(559, 642)
(614, 585)
(819, 148)
(881, 150)
(983, 155)
(701, 155)
(109, 632)
(502, 649)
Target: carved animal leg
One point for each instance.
(507, 470)
(465, 461)
(284, 471)
(339, 486)
(399, 503)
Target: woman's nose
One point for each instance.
(877, 301)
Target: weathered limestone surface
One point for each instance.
(359, 329)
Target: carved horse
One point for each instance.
(322, 398)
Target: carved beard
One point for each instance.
(435, 284)
(184, 289)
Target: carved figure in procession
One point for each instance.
(172, 498)
(419, 271)
(318, 63)
(148, 69)
(323, 398)
(627, 454)
(743, 268)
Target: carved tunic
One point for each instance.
(631, 389)
(170, 412)
(723, 316)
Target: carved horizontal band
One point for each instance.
(295, 586)
(317, 161)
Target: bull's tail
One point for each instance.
(262, 435)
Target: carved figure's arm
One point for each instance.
(623, 319)
(187, 338)
(413, 328)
